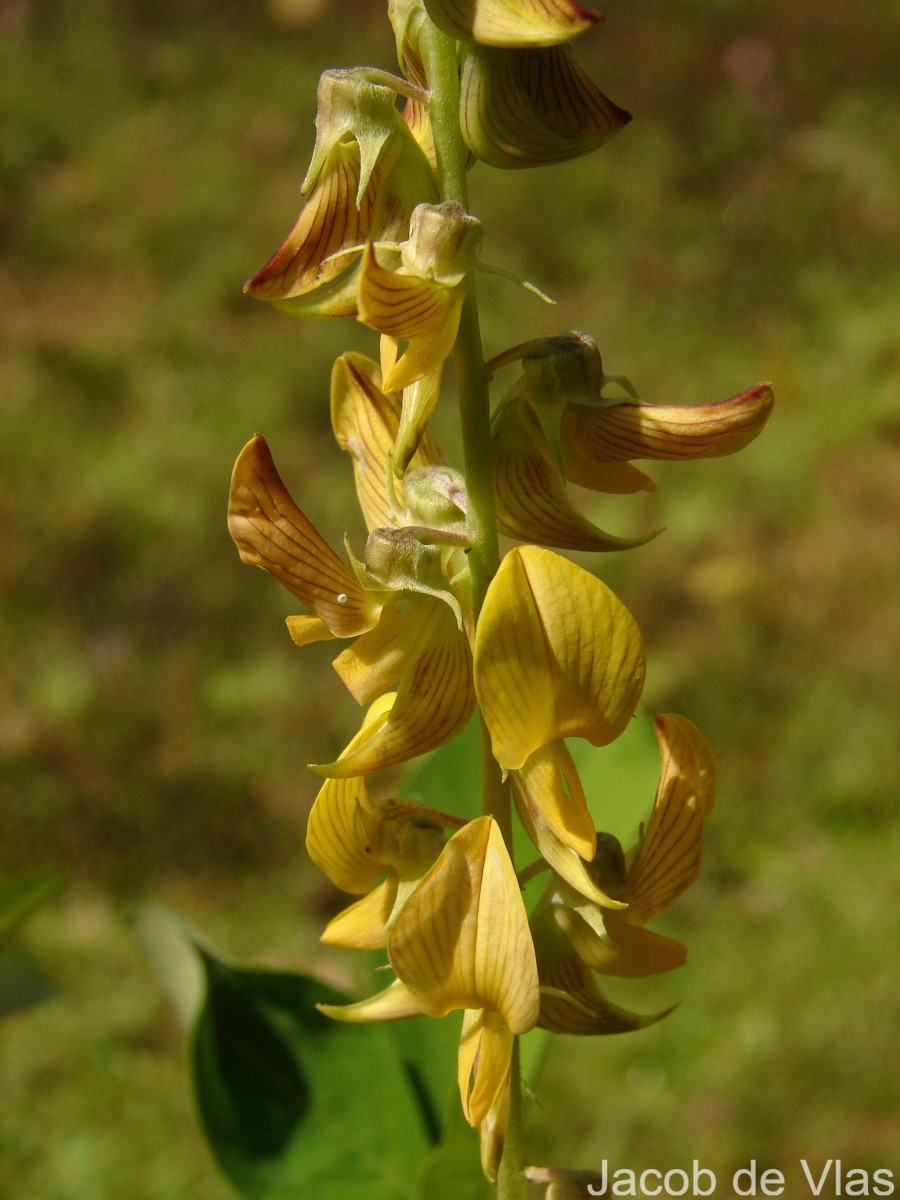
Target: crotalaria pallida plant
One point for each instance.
(435, 624)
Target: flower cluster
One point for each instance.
(548, 652)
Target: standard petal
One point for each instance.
(571, 1001)
(395, 1003)
(271, 532)
(523, 108)
(557, 655)
(512, 22)
(668, 858)
(531, 498)
(366, 422)
(462, 939)
(432, 665)
(620, 432)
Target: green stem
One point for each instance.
(442, 67)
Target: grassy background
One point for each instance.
(154, 722)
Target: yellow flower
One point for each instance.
(409, 639)
(461, 941)
(525, 108)
(512, 22)
(555, 424)
(557, 655)
(366, 176)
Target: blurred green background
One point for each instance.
(155, 720)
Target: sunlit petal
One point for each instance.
(271, 532)
(668, 858)
(364, 924)
(512, 22)
(556, 655)
(522, 108)
(395, 1003)
(485, 1051)
(531, 498)
(462, 939)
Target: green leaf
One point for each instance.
(452, 1170)
(450, 778)
(293, 1104)
(22, 984)
(21, 895)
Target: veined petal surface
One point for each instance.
(485, 1053)
(395, 1003)
(271, 532)
(524, 108)
(512, 22)
(462, 938)
(557, 655)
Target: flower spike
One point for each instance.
(512, 22)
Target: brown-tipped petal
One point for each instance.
(531, 498)
(668, 858)
(557, 655)
(523, 108)
(363, 925)
(271, 532)
(435, 697)
(571, 1001)
(329, 222)
(462, 938)
(366, 422)
(485, 1053)
(512, 22)
(626, 951)
(395, 1003)
(665, 431)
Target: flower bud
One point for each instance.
(443, 242)
(436, 497)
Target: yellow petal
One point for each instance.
(631, 430)
(668, 858)
(364, 925)
(395, 1003)
(305, 631)
(415, 446)
(557, 655)
(485, 1052)
(626, 951)
(432, 665)
(550, 780)
(336, 839)
(571, 1001)
(512, 22)
(531, 498)
(366, 423)
(492, 1132)
(522, 108)
(462, 939)
(328, 223)
(271, 532)
(414, 309)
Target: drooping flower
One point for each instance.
(408, 634)
(557, 655)
(461, 941)
(512, 22)
(528, 108)
(557, 424)
(366, 176)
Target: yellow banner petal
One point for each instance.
(366, 423)
(435, 697)
(328, 223)
(485, 1053)
(395, 1003)
(523, 108)
(271, 532)
(664, 431)
(668, 858)
(462, 939)
(557, 655)
(512, 22)
(531, 498)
